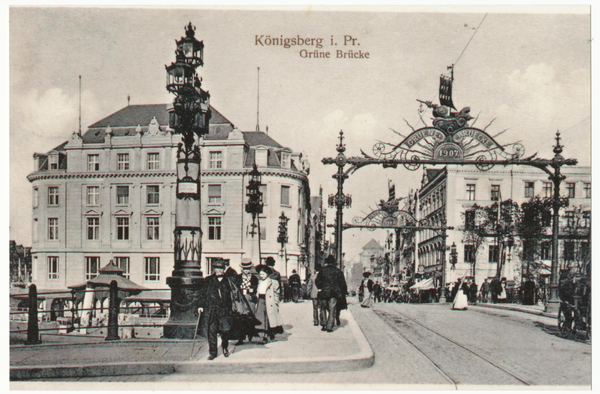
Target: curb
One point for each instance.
(363, 359)
(519, 309)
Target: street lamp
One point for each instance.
(255, 202)
(453, 257)
(189, 117)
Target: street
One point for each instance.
(431, 344)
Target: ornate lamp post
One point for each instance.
(255, 203)
(282, 238)
(453, 257)
(189, 117)
(339, 200)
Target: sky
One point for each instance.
(526, 70)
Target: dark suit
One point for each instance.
(332, 285)
(296, 284)
(217, 316)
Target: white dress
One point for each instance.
(460, 301)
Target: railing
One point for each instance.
(100, 323)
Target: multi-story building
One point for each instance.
(109, 194)
(370, 255)
(447, 194)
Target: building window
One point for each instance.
(123, 228)
(91, 267)
(52, 267)
(34, 236)
(547, 188)
(52, 229)
(263, 194)
(214, 228)
(493, 253)
(546, 251)
(122, 161)
(93, 163)
(216, 160)
(263, 228)
(53, 195)
(36, 197)
(123, 263)
(469, 253)
(571, 189)
(152, 194)
(570, 219)
(122, 195)
(587, 219)
(495, 193)
(93, 195)
(285, 160)
(569, 252)
(153, 161)
(152, 226)
(471, 192)
(529, 189)
(53, 162)
(214, 194)
(285, 195)
(587, 190)
(469, 220)
(151, 268)
(93, 228)
(584, 251)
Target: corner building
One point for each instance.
(109, 193)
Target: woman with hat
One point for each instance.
(367, 289)
(267, 307)
(248, 284)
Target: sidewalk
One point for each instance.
(533, 309)
(302, 348)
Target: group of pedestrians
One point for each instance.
(327, 289)
(240, 305)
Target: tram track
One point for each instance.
(459, 363)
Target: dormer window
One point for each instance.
(53, 162)
(285, 160)
(261, 157)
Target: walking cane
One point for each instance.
(195, 333)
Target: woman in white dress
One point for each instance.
(502, 295)
(367, 289)
(461, 301)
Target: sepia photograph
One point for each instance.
(299, 198)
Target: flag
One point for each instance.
(446, 91)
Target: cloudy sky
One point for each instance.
(529, 70)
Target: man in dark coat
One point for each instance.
(495, 289)
(332, 285)
(377, 292)
(473, 291)
(529, 292)
(296, 283)
(485, 289)
(215, 304)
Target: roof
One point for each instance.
(254, 138)
(125, 121)
(372, 244)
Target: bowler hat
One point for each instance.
(246, 263)
(219, 263)
(366, 274)
(270, 261)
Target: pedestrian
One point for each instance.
(485, 289)
(367, 289)
(460, 299)
(296, 284)
(275, 275)
(502, 298)
(229, 272)
(495, 289)
(248, 284)
(473, 291)
(332, 286)
(456, 288)
(529, 292)
(313, 293)
(377, 292)
(215, 306)
(267, 308)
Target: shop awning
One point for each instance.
(426, 284)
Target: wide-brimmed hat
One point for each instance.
(246, 263)
(366, 274)
(270, 261)
(264, 268)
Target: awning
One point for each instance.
(426, 284)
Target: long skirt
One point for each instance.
(367, 298)
(263, 317)
(460, 301)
